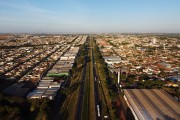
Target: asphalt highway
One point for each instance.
(96, 89)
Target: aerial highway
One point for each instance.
(85, 82)
(102, 110)
(90, 96)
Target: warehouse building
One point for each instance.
(152, 104)
(45, 89)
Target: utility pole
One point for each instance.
(119, 75)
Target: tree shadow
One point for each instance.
(73, 87)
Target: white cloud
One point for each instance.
(24, 7)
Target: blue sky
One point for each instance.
(67, 16)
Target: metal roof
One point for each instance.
(152, 104)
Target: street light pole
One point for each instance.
(119, 75)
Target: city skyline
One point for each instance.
(82, 16)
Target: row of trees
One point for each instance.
(17, 108)
(143, 81)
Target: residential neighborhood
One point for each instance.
(68, 69)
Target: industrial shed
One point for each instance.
(152, 104)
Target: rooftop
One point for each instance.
(152, 104)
